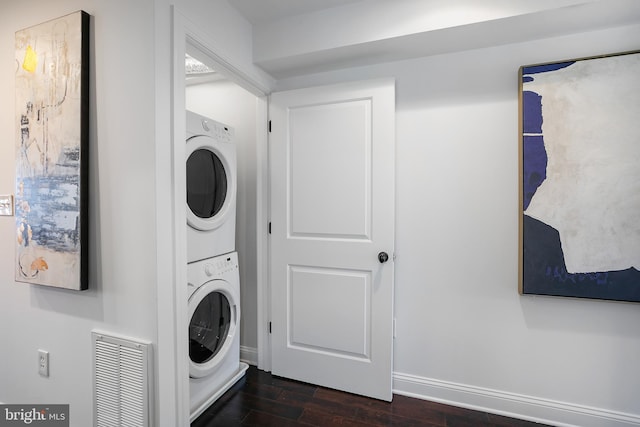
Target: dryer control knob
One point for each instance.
(209, 270)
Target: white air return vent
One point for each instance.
(122, 381)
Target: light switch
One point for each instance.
(6, 205)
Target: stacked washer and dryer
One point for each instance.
(212, 269)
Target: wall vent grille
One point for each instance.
(122, 381)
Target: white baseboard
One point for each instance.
(249, 355)
(535, 409)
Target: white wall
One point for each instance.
(121, 296)
(463, 332)
(228, 103)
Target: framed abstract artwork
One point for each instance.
(52, 136)
(580, 178)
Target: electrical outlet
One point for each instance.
(43, 363)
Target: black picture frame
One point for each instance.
(52, 148)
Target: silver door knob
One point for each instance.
(383, 257)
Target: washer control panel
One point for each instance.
(221, 265)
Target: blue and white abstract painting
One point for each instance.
(581, 178)
(51, 130)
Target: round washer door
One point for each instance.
(213, 320)
(211, 186)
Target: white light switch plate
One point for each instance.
(6, 205)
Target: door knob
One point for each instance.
(383, 257)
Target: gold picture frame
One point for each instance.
(579, 178)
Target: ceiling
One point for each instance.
(259, 11)
(296, 37)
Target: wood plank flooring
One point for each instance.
(260, 399)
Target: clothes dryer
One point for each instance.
(214, 330)
(211, 188)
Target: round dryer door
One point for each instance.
(213, 320)
(210, 184)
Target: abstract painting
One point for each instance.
(51, 118)
(580, 178)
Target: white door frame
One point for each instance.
(187, 35)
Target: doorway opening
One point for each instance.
(237, 92)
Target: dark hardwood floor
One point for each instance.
(260, 399)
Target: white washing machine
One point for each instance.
(214, 329)
(211, 188)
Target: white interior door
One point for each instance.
(332, 214)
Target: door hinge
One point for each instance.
(269, 327)
(269, 126)
(394, 327)
(269, 227)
